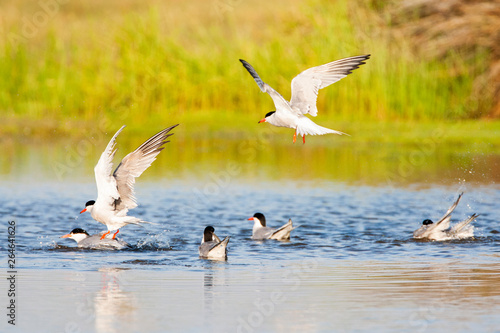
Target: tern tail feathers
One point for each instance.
(283, 232)
(460, 226)
(128, 220)
(214, 249)
(221, 244)
(306, 126)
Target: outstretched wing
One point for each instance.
(444, 222)
(134, 164)
(106, 184)
(450, 210)
(306, 85)
(279, 102)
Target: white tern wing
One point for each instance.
(279, 102)
(106, 184)
(306, 85)
(134, 164)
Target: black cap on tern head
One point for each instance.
(79, 231)
(269, 113)
(427, 222)
(207, 234)
(261, 218)
(90, 203)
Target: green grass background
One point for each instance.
(153, 63)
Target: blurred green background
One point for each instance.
(71, 70)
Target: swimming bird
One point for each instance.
(84, 240)
(211, 246)
(441, 230)
(305, 87)
(260, 231)
(115, 191)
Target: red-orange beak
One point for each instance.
(84, 210)
(250, 218)
(66, 236)
(261, 121)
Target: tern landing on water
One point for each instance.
(211, 246)
(115, 191)
(84, 240)
(305, 87)
(441, 230)
(261, 232)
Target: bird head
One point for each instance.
(427, 222)
(77, 234)
(269, 114)
(208, 233)
(260, 218)
(88, 206)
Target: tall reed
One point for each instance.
(144, 62)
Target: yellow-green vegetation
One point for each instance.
(424, 154)
(150, 62)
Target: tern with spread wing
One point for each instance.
(211, 246)
(305, 87)
(260, 231)
(115, 191)
(441, 231)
